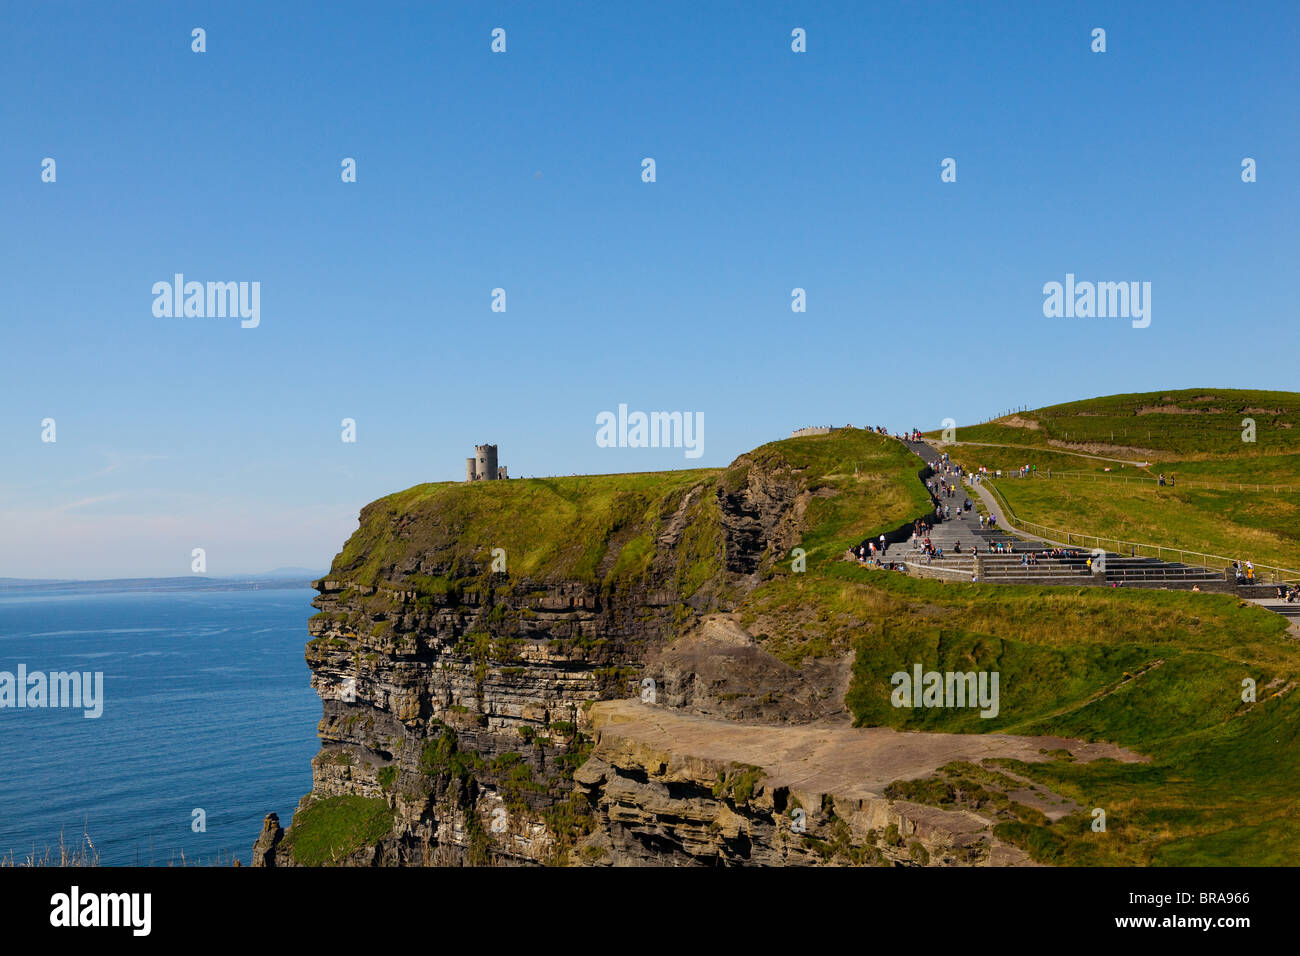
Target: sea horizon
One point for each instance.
(207, 707)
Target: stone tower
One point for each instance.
(486, 467)
(483, 466)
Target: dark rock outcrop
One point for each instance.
(269, 840)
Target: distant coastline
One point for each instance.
(289, 578)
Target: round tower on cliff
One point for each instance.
(469, 469)
(486, 464)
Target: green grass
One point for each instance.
(1184, 423)
(1158, 672)
(862, 485)
(1193, 436)
(550, 528)
(602, 529)
(329, 829)
(1258, 526)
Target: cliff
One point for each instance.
(465, 631)
(679, 669)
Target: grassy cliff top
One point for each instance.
(550, 528)
(1181, 424)
(603, 528)
(1231, 497)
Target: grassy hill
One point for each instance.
(1157, 672)
(602, 529)
(1184, 424)
(1230, 497)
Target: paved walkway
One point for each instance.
(933, 456)
(1127, 570)
(965, 529)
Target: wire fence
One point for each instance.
(1214, 485)
(1215, 562)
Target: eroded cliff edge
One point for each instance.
(467, 633)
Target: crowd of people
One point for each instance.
(943, 486)
(1063, 553)
(872, 555)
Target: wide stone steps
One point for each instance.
(1006, 565)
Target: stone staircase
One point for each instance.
(1009, 566)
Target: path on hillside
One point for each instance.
(1051, 451)
(964, 529)
(933, 456)
(1119, 567)
(823, 758)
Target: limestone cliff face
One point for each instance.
(658, 807)
(478, 646)
(670, 787)
(456, 693)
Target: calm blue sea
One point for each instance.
(207, 706)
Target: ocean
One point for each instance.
(206, 707)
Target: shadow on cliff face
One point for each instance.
(719, 670)
(464, 631)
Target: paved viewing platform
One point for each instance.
(966, 550)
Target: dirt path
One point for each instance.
(1052, 451)
(853, 762)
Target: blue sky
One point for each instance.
(522, 170)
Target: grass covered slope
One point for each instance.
(550, 528)
(861, 484)
(1157, 672)
(1235, 498)
(603, 529)
(1182, 425)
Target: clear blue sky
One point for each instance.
(522, 170)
